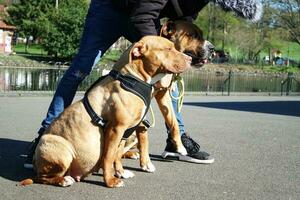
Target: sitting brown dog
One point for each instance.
(187, 38)
(73, 146)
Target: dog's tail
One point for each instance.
(26, 182)
(249, 9)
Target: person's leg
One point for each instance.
(100, 32)
(193, 149)
(175, 93)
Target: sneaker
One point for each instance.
(28, 162)
(193, 149)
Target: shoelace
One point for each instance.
(192, 146)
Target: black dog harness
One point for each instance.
(129, 83)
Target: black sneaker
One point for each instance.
(193, 149)
(28, 162)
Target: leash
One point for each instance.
(180, 84)
(152, 124)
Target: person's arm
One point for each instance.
(144, 15)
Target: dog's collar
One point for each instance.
(157, 78)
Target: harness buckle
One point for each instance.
(99, 121)
(146, 123)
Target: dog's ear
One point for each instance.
(168, 29)
(137, 50)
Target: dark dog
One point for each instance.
(187, 38)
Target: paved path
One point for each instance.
(255, 141)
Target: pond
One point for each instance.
(36, 79)
(46, 79)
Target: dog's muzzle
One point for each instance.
(199, 61)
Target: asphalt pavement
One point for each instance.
(255, 141)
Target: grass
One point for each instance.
(282, 69)
(36, 54)
(33, 49)
(289, 49)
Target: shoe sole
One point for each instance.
(186, 158)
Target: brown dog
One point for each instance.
(187, 38)
(73, 147)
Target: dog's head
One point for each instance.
(188, 38)
(158, 55)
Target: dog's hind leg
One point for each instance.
(57, 181)
(52, 161)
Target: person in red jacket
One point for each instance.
(106, 22)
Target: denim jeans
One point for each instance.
(175, 93)
(103, 26)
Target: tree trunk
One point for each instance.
(27, 44)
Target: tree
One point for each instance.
(288, 17)
(25, 14)
(62, 28)
(59, 29)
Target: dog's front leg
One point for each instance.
(112, 138)
(164, 102)
(143, 146)
(119, 170)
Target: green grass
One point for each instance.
(288, 49)
(282, 69)
(36, 54)
(112, 55)
(34, 49)
(291, 50)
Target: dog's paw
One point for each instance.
(132, 155)
(68, 181)
(149, 167)
(115, 182)
(135, 155)
(182, 150)
(125, 174)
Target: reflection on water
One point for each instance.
(32, 79)
(12, 79)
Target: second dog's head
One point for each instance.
(188, 38)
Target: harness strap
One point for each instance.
(96, 119)
(129, 83)
(134, 85)
(137, 87)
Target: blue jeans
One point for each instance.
(103, 26)
(175, 93)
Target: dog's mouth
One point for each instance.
(196, 61)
